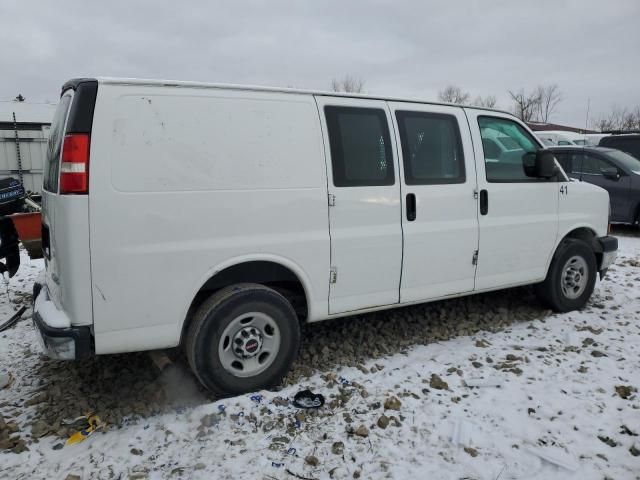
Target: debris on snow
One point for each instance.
(392, 403)
(483, 382)
(462, 432)
(5, 379)
(555, 456)
(471, 451)
(437, 383)
(383, 421)
(625, 391)
(308, 399)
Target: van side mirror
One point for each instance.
(540, 164)
(612, 173)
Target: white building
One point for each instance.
(23, 141)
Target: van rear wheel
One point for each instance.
(571, 277)
(243, 338)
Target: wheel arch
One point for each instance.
(586, 233)
(280, 273)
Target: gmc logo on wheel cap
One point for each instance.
(251, 346)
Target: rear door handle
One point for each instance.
(411, 207)
(484, 202)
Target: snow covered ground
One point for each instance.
(546, 396)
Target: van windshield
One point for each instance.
(56, 135)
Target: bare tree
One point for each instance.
(348, 83)
(488, 102)
(453, 94)
(525, 105)
(631, 120)
(619, 118)
(550, 96)
(603, 124)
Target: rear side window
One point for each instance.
(360, 146)
(431, 148)
(56, 136)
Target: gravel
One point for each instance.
(354, 340)
(122, 389)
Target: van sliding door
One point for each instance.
(364, 203)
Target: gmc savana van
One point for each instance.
(218, 218)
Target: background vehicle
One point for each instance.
(550, 137)
(629, 143)
(615, 171)
(592, 139)
(217, 218)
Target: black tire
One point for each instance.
(205, 333)
(551, 293)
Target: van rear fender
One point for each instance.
(277, 272)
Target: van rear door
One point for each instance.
(65, 207)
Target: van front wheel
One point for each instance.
(243, 338)
(571, 277)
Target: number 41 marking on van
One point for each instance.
(564, 189)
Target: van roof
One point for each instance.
(189, 84)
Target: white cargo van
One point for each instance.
(218, 218)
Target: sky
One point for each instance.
(399, 48)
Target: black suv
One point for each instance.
(626, 142)
(615, 171)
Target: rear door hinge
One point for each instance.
(332, 200)
(333, 275)
(474, 260)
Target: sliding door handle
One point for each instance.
(411, 207)
(484, 202)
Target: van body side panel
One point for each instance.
(186, 181)
(68, 273)
(584, 205)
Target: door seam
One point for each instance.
(402, 204)
(476, 189)
(326, 176)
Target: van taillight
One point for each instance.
(74, 169)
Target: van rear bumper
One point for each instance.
(60, 342)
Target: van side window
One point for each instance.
(360, 146)
(505, 143)
(431, 148)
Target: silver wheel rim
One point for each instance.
(249, 344)
(575, 275)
